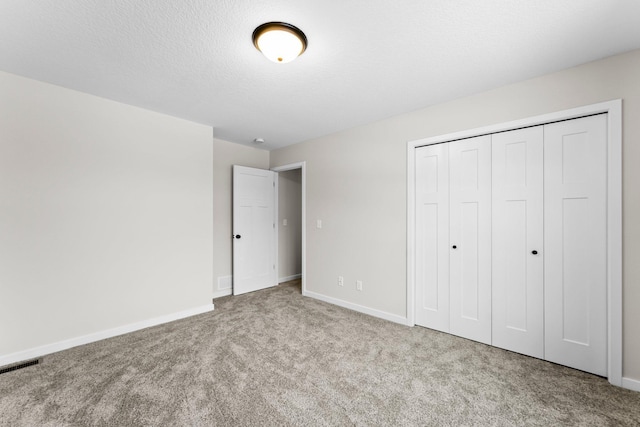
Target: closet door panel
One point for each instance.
(517, 230)
(470, 238)
(575, 156)
(432, 236)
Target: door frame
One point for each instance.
(303, 222)
(613, 109)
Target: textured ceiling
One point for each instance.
(366, 60)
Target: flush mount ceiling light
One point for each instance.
(279, 42)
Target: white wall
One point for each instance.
(225, 155)
(106, 215)
(356, 183)
(290, 235)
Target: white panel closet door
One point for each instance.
(517, 258)
(575, 156)
(470, 238)
(432, 236)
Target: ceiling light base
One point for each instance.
(279, 42)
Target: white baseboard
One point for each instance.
(36, 352)
(288, 278)
(222, 293)
(630, 384)
(359, 308)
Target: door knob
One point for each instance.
(534, 252)
(454, 247)
(237, 236)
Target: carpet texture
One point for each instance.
(274, 357)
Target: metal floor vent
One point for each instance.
(19, 366)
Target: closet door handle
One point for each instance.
(454, 247)
(534, 252)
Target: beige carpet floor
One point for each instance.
(274, 357)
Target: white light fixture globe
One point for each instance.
(279, 42)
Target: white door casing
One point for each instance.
(517, 238)
(254, 233)
(432, 236)
(470, 238)
(575, 198)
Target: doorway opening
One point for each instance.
(291, 223)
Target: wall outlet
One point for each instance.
(340, 281)
(319, 223)
(359, 285)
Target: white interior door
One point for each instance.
(517, 258)
(470, 238)
(432, 236)
(254, 233)
(575, 179)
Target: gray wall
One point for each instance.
(290, 235)
(356, 184)
(108, 211)
(106, 214)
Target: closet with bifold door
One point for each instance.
(511, 240)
